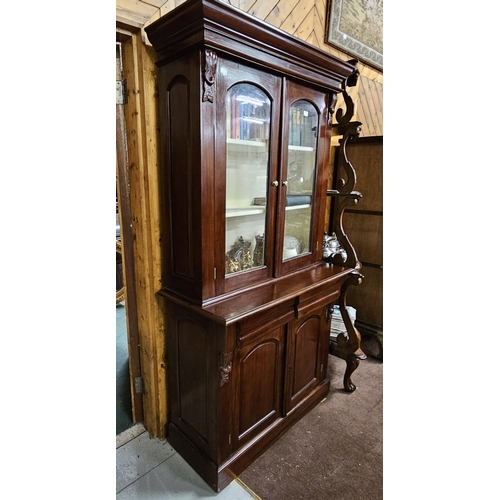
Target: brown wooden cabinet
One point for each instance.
(246, 115)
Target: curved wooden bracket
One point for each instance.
(344, 117)
(349, 344)
(344, 194)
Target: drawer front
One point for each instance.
(307, 303)
(251, 329)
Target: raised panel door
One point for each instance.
(258, 372)
(307, 356)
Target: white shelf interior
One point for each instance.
(240, 212)
(297, 207)
(241, 142)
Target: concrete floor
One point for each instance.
(150, 469)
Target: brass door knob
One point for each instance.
(275, 183)
(285, 183)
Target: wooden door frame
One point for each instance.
(141, 125)
(127, 236)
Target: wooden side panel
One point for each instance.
(193, 355)
(193, 377)
(180, 103)
(181, 185)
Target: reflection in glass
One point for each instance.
(248, 111)
(302, 140)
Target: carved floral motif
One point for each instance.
(225, 368)
(209, 75)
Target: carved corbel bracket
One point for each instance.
(225, 367)
(209, 75)
(331, 108)
(344, 117)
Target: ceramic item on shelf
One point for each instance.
(292, 242)
(290, 252)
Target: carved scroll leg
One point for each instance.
(352, 361)
(349, 346)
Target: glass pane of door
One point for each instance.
(302, 140)
(248, 111)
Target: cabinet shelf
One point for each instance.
(241, 212)
(291, 147)
(297, 207)
(242, 142)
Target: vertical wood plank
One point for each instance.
(372, 109)
(128, 259)
(363, 109)
(143, 167)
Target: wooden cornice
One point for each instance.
(223, 28)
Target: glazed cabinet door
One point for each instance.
(246, 171)
(304, 175)
(307, 356)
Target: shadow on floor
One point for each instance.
(123, 396)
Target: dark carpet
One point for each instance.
(335, 451)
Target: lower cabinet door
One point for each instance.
(307, 356)
(258, 371)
